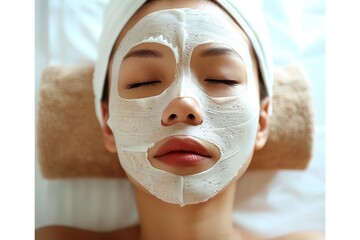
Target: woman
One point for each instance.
(185, 102)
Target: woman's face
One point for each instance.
(183, 99)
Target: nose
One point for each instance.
(182, 110)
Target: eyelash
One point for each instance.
(218, 81)
(210, 81)
(141, 84)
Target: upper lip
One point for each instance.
(182, 145)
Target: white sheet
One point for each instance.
(268, 203)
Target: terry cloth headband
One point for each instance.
(248, 14)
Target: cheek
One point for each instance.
(246, 165)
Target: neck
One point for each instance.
(209, 220)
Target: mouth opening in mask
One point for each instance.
(183, 155)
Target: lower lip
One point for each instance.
(182, 159)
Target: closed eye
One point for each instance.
(142, 84)
(220, 81)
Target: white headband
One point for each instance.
(248, 14)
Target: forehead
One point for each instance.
(155, 6)
(184, 28)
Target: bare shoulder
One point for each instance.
(132, 232)
(303, 236)
(292, 236)
(64, 233)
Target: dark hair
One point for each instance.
(105, 93)
(262, 88)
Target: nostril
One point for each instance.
(172, 116)
(191, 116)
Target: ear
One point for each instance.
(263, 129)
(109, 140)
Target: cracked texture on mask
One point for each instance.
(228, 122)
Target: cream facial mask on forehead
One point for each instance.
(228, 122)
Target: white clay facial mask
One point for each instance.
(229, 121)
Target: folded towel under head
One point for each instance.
(70, 141)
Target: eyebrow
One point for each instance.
(144, 53)
(217, 51)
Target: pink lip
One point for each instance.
(182, 152)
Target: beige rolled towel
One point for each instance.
(69, 137)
